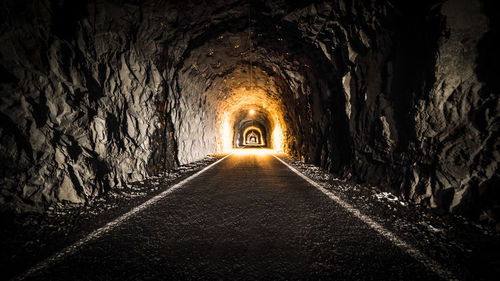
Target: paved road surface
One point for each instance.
(247, 218)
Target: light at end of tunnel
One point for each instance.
(252, 151)
(252, 112)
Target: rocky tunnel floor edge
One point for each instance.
(457, 244)
(26, 239)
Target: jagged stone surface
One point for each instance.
(457, 123)
(78, 110)
(421, 123)
(397, 95)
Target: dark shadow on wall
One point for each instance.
(164, 146)
(66, 15)
(414, 54)
(325, 127)
(488, 60)
(486, 195)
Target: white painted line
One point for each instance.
(108, 227)
(429, 263)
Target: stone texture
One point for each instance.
(459, 118)
(78, 110)
(400, 95)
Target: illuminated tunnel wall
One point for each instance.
(98, 94)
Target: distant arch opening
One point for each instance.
(252, 136)
(251, 133)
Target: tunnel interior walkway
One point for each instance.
(248, 217)
(396, 96)
(401, 95)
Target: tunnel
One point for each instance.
(401, 95)
(251, 128)
(110, 92)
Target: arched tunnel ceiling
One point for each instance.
(253, 60)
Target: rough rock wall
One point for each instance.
(194, 126)
(194, 119)
(458, 122)
(78, 95)
(421, 122)
(398, 94)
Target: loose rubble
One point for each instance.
(28, 238)
(471, 250)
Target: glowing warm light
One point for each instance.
(278, 139)
(261, 140)
(226, 137)
(252, 151)
(239, 100)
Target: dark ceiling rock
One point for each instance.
(400, 96)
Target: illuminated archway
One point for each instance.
(258, 122)
(239, 101)
(256, 132)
